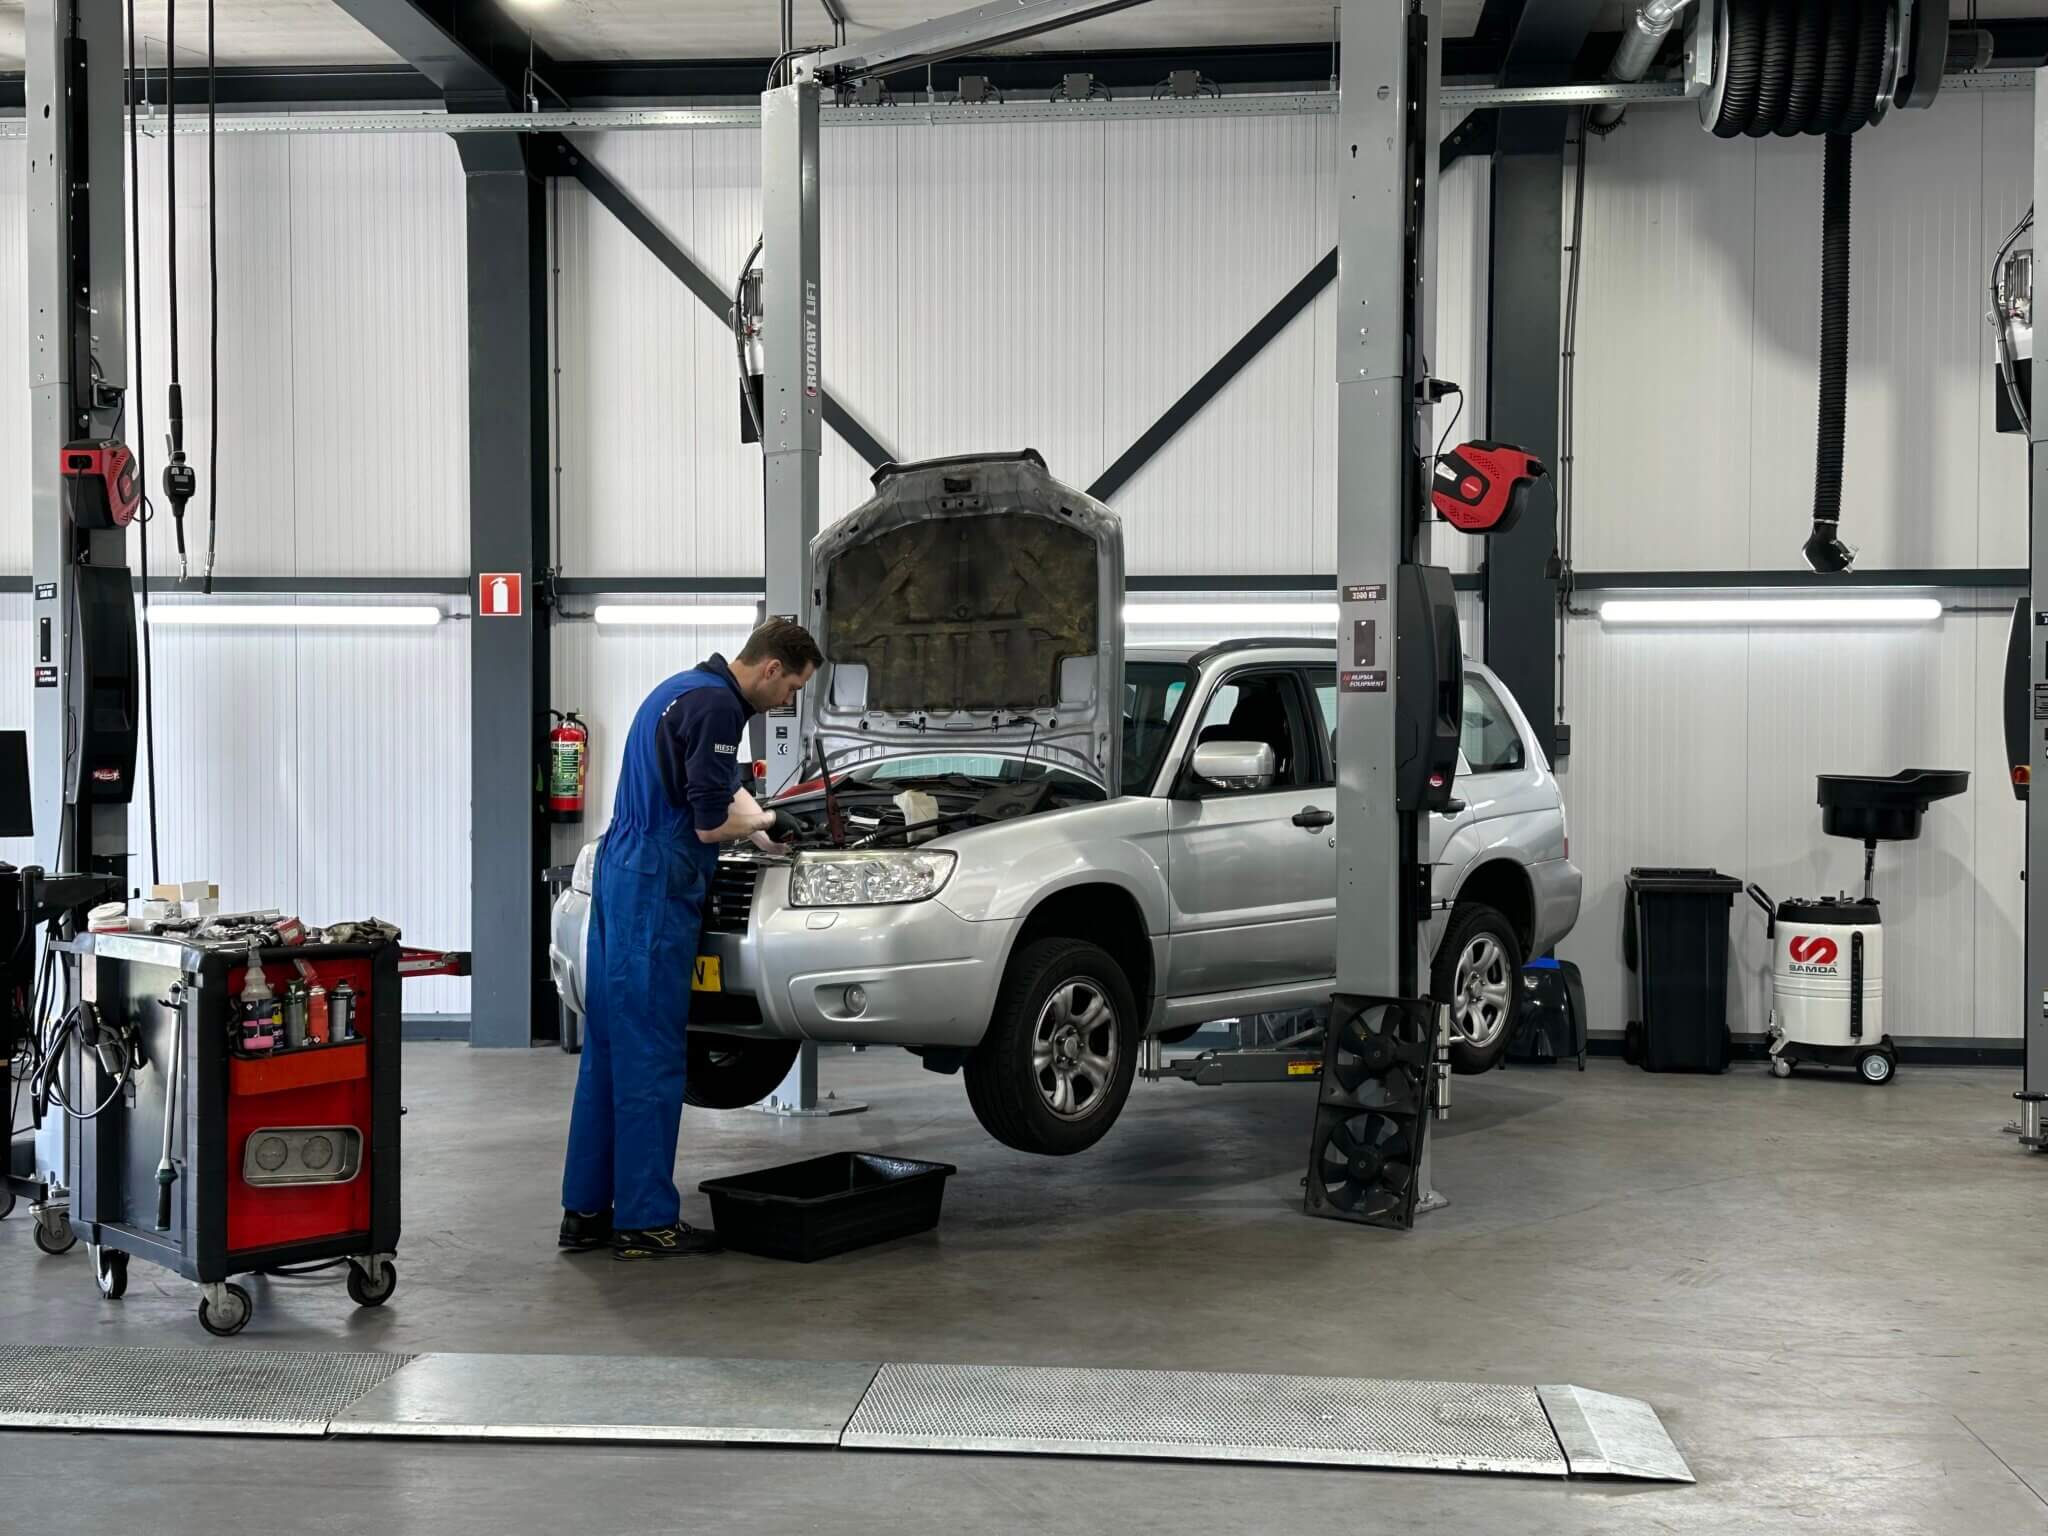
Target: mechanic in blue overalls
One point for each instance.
(679, 798)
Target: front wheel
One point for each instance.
(1052, 1074)
(727, 1072)
(1475, 972)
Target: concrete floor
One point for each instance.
(1832, 1294)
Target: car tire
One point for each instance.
(1476, 970)
(1065, 1031)
(728, 1072)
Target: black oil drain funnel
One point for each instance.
(1825, 550)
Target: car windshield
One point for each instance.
(1153, 694)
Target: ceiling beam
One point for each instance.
(1546, 39)
(470, 51)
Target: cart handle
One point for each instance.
(1762, 898)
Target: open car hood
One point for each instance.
(972, 606)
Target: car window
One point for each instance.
(1488, 737)
(1263, 707)
(1154, 694)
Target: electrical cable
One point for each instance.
(1449, 426)
(212, 307)
(177, 475)
(2002, 324)
(739, 340)
(135, 388)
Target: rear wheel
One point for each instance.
(728, 1072)
(1475, 972)
(1052, 1074)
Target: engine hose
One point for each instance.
(1740, 76)
(1774, 77)
(1824, 549)
(1809, 62)
(1870, 46)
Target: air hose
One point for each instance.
(1825, 550)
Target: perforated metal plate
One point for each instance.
(1208, 1416)
(197, 1391)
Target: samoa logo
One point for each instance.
(1816, 952)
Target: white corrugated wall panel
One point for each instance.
(1663, 389)
(1185, 271)
(14, 397)
(1700, 747)
(863, 302)
(1002, 277)
(381, 357)
(725, 213)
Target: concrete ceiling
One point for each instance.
(260, 32)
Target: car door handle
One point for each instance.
(1313, 818)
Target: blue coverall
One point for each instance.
(679, 774)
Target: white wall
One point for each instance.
(1697, 390)
(325, 772)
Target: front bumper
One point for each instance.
(929, 977)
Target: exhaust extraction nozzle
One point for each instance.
(1825, 552)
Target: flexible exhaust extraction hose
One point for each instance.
(1825, 550)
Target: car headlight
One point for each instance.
(867, 879)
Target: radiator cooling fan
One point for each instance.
(1378, 1059)
(1365, 1165)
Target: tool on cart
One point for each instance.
(1827, 953)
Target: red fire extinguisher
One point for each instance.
(568, 766)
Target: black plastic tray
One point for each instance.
(826, 1205)
(1884, 810)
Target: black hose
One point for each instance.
(1774, 70)
(1839, 65)
(1824, 549)
(1870, 39)
(1741, 76)
(1809, 67)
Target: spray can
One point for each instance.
(295, 1015)
(316, 1015)
(341, 1012)
(261, 1019)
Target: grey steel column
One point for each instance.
(1377, 944)
(77, 275)
(792, 404)
(792, 389)
(2035, 999)
(512, 1000)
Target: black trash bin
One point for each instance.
(1675, 939)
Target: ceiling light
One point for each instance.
(652, 615)
(1196, 614)
(293, 615)
(1770, 610)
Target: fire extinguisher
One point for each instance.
(568, 766)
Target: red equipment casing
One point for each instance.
(100, 487)
(1481, 487)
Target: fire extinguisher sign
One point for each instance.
(498, 595)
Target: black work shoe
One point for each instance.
(582, 1232)
(677, 1242)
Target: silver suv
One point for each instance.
(1016, 883)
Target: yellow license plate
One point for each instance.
(706, 978)
(1304, 1069)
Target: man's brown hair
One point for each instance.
(782, 640)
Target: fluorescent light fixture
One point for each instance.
(1197, 614)
(1770, 610)
(654, 615)
(293, 616)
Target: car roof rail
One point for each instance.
(1261, 643)
(892, 469)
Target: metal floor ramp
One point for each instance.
(1030, 1410)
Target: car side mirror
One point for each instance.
(1235, 764)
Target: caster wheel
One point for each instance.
(1780, 1067)
(231, 1317)
(6, 1203)
(1875, 1067)
(365, 1294)
(110, 1269)
(55, 1236)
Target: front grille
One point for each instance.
(732, 896)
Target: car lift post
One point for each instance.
(792, 388)
(78, 372)
(2034, 1000)
(1385, 319)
